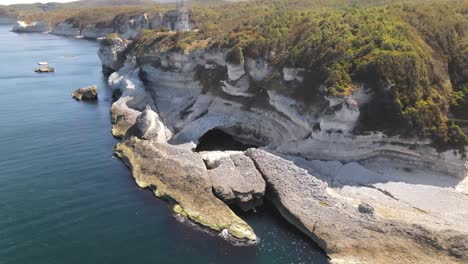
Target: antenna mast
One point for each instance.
(182, 23)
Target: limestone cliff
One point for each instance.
(358, 196)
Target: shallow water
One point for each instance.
(65, 199)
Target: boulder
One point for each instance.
(236, 181)
(86, 93)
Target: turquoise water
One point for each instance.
(64, 199)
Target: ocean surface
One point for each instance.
(65, 199)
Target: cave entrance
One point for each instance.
(216, 139)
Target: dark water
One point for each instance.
(64, 199)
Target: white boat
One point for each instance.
(43, 63)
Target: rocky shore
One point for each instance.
(362, 198)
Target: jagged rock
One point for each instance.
(132, 100)
(236, 181)
(280, 119)
(346, 235)
(110, 52)
(86, 93)
(180, 176)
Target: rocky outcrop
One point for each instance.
(110, 52)
(86, 93)
(66, 29)
(178, 175)
(148, 126)
(132, 101)
(236, 181)
(363, 198)
(36, 26)
(350, 234)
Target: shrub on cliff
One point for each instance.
(235, 55)
(413, 56)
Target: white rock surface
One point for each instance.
(293, 74)
(342, 115)
(334, 172)
(66, 29)
(110, 52)
(235, 72)
(36, 26)
(257, 69)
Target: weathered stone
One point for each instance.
(180, 176)
(36, 26)
(236, 181)
(133, 99)
(86, 93)
(148, 126)
(346, 235)
(111, 52)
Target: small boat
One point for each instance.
(44, 69)
(43, 63)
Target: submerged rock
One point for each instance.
(236, 181)
(86, 93)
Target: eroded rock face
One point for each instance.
(110, 52)
(180, 176)
(343, 231)
(132, 101)
(236, 181)
(66, 29)
(86, 93)
(148, 126)
(334, 191)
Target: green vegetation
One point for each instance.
(413, 54)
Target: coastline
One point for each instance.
(341, 194)
(358, 177)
